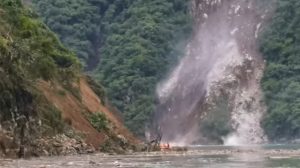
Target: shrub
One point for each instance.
(52, 122)
(99, 121)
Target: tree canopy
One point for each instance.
(280, 45)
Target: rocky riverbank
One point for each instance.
(48, 146)
(220, 156)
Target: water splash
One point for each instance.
(221, 60)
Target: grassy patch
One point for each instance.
(99, 122)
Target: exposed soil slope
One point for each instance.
(75, 111)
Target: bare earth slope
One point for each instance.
(75, 111)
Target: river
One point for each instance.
(270, 156)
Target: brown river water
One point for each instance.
(270, 156)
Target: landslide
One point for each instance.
(77, 107)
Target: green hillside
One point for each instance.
(280, 45)
(129, 45)
(43, 93)
(28, 52)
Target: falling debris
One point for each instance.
(221, 62)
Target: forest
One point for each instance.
(128, 45)
(280, 46)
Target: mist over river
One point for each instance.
(275, 156)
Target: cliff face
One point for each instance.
(46, 106)
(214, 95)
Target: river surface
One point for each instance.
(275, 156)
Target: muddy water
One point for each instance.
(196, 157)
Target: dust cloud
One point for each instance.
(222, 57)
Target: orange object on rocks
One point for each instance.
(164, 146)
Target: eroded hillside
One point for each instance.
(47, 106)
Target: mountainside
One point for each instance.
(47, 106)
(281, 82)
(238, 76)
(129, 45)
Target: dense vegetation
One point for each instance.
(78, 24)
(137, 53)
(28, 52)
(135, 41)
(280, 45)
